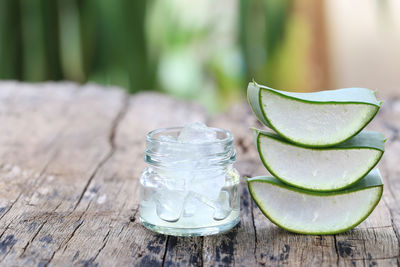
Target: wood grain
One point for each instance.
(70, 159)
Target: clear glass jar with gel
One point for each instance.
(190, 187)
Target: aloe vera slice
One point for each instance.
(317, 119)
(318, 213)
(320, 169)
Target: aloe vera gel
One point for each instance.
(190, 186)
(317, 213)
(320, 158)
(318, 119)
(320, 169)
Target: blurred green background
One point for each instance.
(205, 51)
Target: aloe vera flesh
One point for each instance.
(318, 213)
(320, 169)
(316, 119)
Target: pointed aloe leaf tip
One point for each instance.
(254, 129)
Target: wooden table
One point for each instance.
(69, 167)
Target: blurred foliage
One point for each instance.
(197, 54)
(79, 40)
(275, 41)
(206, 51)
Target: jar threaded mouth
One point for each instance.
(226, 137)
(161, 151)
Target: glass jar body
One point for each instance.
(170, 206)
(190, 197)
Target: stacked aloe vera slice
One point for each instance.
(322, 163)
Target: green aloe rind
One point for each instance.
(364, 139)
(346, 96)
(365, 142)
(290, 218)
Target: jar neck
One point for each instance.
(185, 155)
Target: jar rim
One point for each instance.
(152, 137)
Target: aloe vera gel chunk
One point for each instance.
(316, 119)
(320, 169)
(308, 212)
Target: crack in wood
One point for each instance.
(38, 231)
(1, 236)
(255, 229)
(34, 236)
(65, 244)
(11, 242)
(106, 237)
(29, 242)
(26, 189)
(111, 137)
(114, 127)
(8, 251)
(396, 232)
(99, 165)
(201, 251)
(132, 218)
(5, 229)
(337, 250)
(105, 240)
(70, 237)
(122, 228)
(365, 250)
(12, 204)
(80, 223)
(165, 251)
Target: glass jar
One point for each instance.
(189, 189)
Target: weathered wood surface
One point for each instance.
(70, 158)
